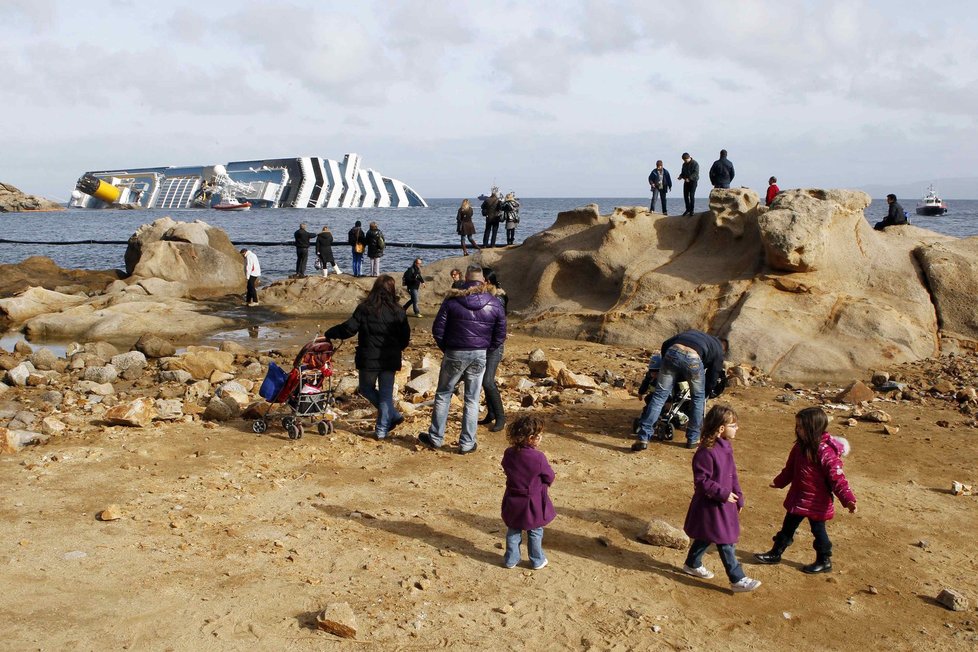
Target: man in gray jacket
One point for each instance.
(471, 319)
(690, 176)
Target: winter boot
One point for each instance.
(497, 411)
(773, 556)
(823, 564)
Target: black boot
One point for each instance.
(496, 410)
(487, 419)
(823, 564)
(773, 556)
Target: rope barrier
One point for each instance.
(252, 243)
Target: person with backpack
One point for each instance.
(358, 244)
(413, 281)
(375, 247)
(509, 209)
(490, 211)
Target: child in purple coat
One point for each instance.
(526, 504)
(714, 511)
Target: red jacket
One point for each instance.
(772, 192)
(812, 484)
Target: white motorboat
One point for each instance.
(931, 204)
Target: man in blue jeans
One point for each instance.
(697, 358)
(471, 319)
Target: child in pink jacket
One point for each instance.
(814, 471)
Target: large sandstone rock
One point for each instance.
(315, 294)
(199, 257)
(804, 289)
(13, 200)
(202, 361)
(138, 413)
(36, 301)
(949, 268)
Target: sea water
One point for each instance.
(432, 225)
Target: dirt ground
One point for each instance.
(233, 541)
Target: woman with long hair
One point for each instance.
(383, 332)
(494, 402)
(464, 226)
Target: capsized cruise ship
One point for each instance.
(303, 182)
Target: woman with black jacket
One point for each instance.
(494, 402)
(324, 251)
(375, 247)
(382, 333)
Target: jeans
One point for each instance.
(689, 195)
(822, 543)
(661, 194)
(511, 236)
(252, 295)
(357, 263)
(494, 401)
(722, 185)
(301, 258)
(492, 229)
(375, 266)
(728, 556)
(458, 364)
(534, 546)
(378, 388)
(413, 301)
(677, 365)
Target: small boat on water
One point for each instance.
(233, 205)
(931, 204)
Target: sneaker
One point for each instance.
(639, 446)
(462, 451)
(542, 564)
(744, 585)
(396, 422)
(699, 571)
(505, 565)
(425, 440)
(419, 315)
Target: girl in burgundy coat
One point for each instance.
(814, 471)
(714, 511)
(526, 504)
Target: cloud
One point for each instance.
(39, 15)
(520, 111)
(538, 66)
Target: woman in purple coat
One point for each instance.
(526, 504)
(714, 511)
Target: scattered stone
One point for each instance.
(424, 385)
(43, 358)
(51, 426)
(23, 348)
(546, 368)
(786, 398)
(154, 347)
(12, 440)
(944, 424)
(169, 409)
(873, 590)
(138, 413)
(230, 346)
(855, 392)
(876, 416)
(337, 619)
(52, 397)
(176, 376)
(953, 600)
(217, 377)
(851, 422)
(102, 350)
(527, 400)
(566, 378)
(19, 374)
(110, 513)
(923, 543)
(221, 409)
(660, 533)
(525, 385)
(4, 387)
(197, 391)
(967, 395)
(90, 387)
(890, 430)
(959, 489)
(23, 419)
(943, 386)
(201, 362)
(101, 375)
(656, 629)
(880, 378)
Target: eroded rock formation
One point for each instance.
(13, 200)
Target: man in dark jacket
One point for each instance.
(722, 171)
(357, 240)
(302, 241)
(894, 216)
(469, 321)
(490, 210)
(413, 280)
(697, 358)
(690, 176)
(661, 183)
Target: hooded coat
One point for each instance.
(710, 517)
(470, 318)
(373, 240)
(813, 483)
(526, 502)
(381, 337)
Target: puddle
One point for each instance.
(8, 340)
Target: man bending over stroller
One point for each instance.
(697, 358)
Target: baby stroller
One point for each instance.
(307, 390)
(676, 411)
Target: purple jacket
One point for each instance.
(470, 318)
(710, 517)
(526, 503)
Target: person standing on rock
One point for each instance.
(382, 332)
(470, 321)
(494, 402)
(375, 247)
(413, 281)
(697, 358)
(302, 241)
(490, 210)
(661, 183)
(895, 215)
(464, 226)
(722, 171)
(324, 251)
(252, 272)
(358, 244)
(690, 176)
(772, 191)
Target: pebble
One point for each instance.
(110, 513)
(75, 554)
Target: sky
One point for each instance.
(569, 98)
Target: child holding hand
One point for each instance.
(526, 503)
(814, 471)
(714, 512)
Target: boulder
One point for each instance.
(44, 359)
(567, 378)
(101, 375)
(52, 426)
(221, 409)
(176, 376)
(855, 392)
(138, 413)
(125, 361)
(949, 270)
(953, 600)
(99, 389)
(169, 409)
(12, 441)
(154, 347)
(104, 351)
(13, 200)
(197, 255)
(23, 348)
(36, 301)
(230, 346)
(19, 374)
(660, 533)
(202, 361)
